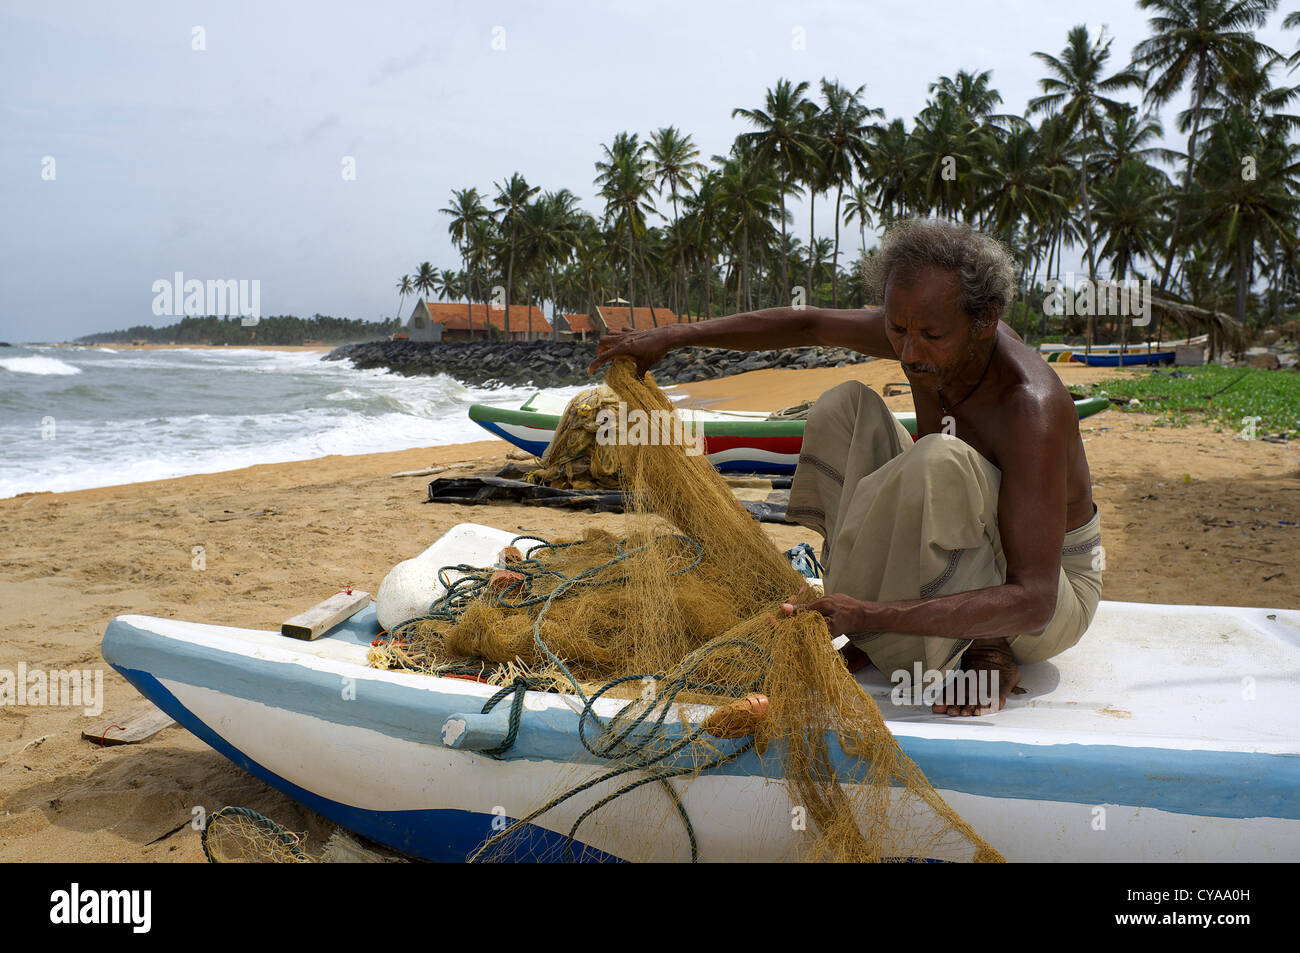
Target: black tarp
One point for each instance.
(493, 489)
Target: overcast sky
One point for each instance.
(227, 161)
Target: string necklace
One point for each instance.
(944, 405)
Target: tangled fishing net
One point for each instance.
(680, 621)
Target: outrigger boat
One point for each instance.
(734, 441)
(1109, 355)
(1166, 734)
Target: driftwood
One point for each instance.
(240, 516)
(427, 471)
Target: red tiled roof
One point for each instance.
(637, 318)
(579, 322)
(453, 316)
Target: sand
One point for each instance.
(1189, 516)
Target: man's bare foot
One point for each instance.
(991, 656)
(854, 658)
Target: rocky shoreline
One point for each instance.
(561, 363)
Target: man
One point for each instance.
(977, 546)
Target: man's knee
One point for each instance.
(936, 457)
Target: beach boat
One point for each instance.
(1115, 348)
(1129, 359)
(734, 441)
(1166, 734)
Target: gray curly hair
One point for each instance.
(982, 264)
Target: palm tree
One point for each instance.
(845, 150)
(746, 191)
(447, 284)
(889, 173)
(625, 188)
(404, 288)
(706, 206)
(1130, 214)
(943, 140)
(1193, 40)
(1242, 212)
(481, 244)
(426, 279)
(1075, 91)
(465, 210)
(782, 136)
(1125, 135)
(859, 207)
(673, 162)
(547, 240)
(1019, 188)
(511, 200)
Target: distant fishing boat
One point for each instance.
(1125, 360)
(1166, 734)
(734, 441)
(1075, 354)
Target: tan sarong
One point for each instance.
(903, 521)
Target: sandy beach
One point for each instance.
(1188, 516)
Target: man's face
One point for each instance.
(929, 331)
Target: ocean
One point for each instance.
(75, 418)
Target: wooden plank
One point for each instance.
(135, 725)
(320, 618)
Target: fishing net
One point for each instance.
(680, 621)
(574, 460)
(240, 835)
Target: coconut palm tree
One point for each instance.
(783, 136)
(1191, 42)
(1125, 135)
(747, 190)
(674, 163)
(1130, 217)
(889, 174)
(404, 288)
(625, 187)
(447, 284)
(845, 150)
(706, 206)
(860, 208)
(465, 210)
(1076, 91)
(511, 199)
(1018, 189)
(426, 279)
(1242, 212)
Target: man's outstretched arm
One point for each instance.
(861, 330)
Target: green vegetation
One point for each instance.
(1077, 169)
(1235, 393)
(277, 330)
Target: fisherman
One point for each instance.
(977, 547)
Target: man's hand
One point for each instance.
(843, 614)
(646, 348)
